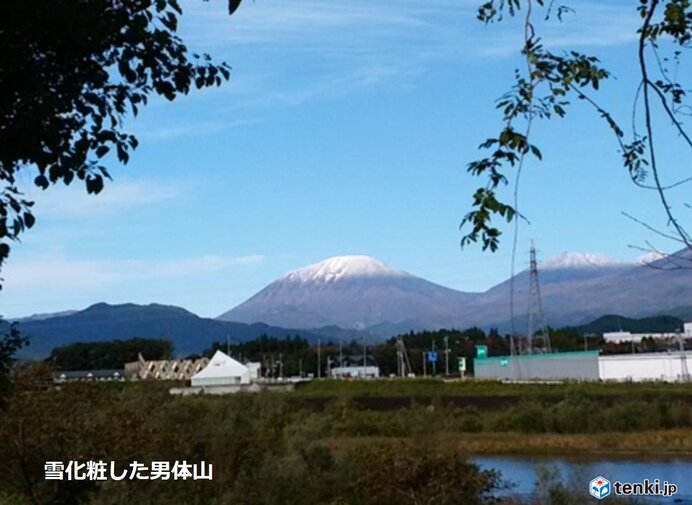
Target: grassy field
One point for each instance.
(649, 445)
(482, 388)
(327, 442)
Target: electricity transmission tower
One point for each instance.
(536, 314)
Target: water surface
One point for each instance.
(523, 472)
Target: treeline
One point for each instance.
(108, 355)
(294, 355)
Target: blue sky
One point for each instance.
(345, 129)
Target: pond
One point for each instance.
(523, 472)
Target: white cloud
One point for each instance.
(187, 130)
(304, 20)
(117, 196)
(68, 275)
(287, 52)
(293, 51)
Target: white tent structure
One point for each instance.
(222, 370)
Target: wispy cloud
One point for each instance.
(304, 20)
(172, 131)
(117, 196)
(288, 52)
(588, 27)
(71, 275)
(305, 49)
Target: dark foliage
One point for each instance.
(10, 343)
(70, 72)
(108, 355)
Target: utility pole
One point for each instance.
(683, 359)
(319, 359)
(300, 367)
(365, 357)
(446, 355)
(434, 363)
(402, 363)
(341, 353)
(425, 373)
(281, 366)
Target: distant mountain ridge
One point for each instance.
(654, 324)
(363, 293)
(44, 315)
(350, 297)
(188, 332)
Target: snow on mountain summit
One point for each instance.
(341, 267)
(580, 260)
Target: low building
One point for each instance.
(222, 370)
(255, 370)
(655, 366)
(626, 336)
(88, 375)
(354, 372)
(165, 369)
(587, 365)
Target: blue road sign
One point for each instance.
(432, 356)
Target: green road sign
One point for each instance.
(481, 351)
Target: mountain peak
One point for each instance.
(342, 267)
(580, 260)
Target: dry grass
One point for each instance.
(649, 443)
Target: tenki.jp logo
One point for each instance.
(599, 487)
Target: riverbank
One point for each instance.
(661, 444)
(269, 448)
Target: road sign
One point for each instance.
(432, 356)
(462, 364)
(481, 351)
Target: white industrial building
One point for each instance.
(655, 366)
(223, 370)
(626, 336)
(354, 372)
(588, 366)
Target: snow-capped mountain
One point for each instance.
(343, 267)
(351, 292)
(581, 260)
(362, 292)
